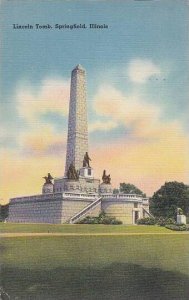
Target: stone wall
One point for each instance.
(59, 208)
(95, 211)
(38, 209)
(121, 210)
(41, 211)
(89, 185)
(71, 207)
(59, 185)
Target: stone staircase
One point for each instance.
(84, 211)
(148, 213)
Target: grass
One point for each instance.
(138, 267)
(79, 228)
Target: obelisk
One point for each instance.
(77, 139)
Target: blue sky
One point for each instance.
(154, 29)
(149, 36)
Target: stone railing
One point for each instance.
(79, 196)
(50, 196)
(148, 213)
(122, 195)
(128, 197)
(145, 201)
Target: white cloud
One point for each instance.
(3, 132)
(140, 70)
(156, 149)
(129, 110)
(42, 140)
(39, 138)
(102, 126)
(53, 96)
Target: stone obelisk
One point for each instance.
(77, 140)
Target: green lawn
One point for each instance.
(11, 227)
(134, 267)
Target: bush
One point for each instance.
(161, 221)
(101, 219)
(4, 211)
(170, 221)
(88, 220)
(116, 222)
(146, 221)
(165, 221)
(176, 227)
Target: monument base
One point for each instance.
(181, 219)
(83, 184)
(47, 188)
(72, 185)
(105, 188)
(86, 172)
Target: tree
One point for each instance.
(168, 198)
(4, 209)
(115, 191)
(129, 188)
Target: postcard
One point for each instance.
(94, 199)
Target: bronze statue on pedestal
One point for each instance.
(72, 173)
(48, 179)
(86, 160)
(106, 178)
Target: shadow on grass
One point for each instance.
(116, 282)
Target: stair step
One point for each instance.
(85, 210)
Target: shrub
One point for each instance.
(165, 221)
(170, 221)
(146, 221)
(116, 222)
(101, 219)
(161, 221)
(88, 220)
(176, 227)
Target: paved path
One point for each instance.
(36, 234)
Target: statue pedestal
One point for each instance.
(72, 185)
(181, 219)
(47, 188)
(106, 188)
(86, 172)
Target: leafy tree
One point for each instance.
(115, 191)
(4, 209)
(168, 198)
(129, 188)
